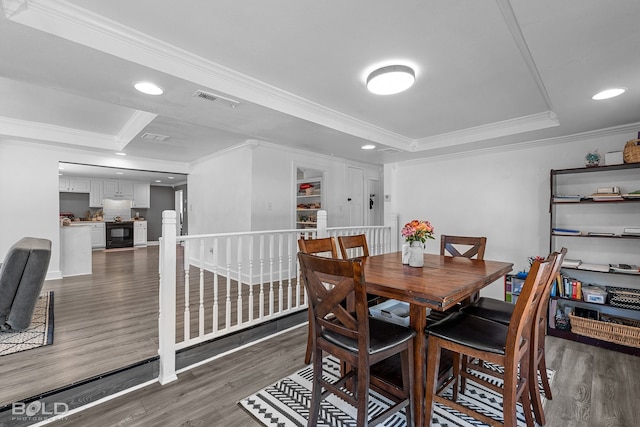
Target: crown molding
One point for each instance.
(138, 121)
(52, 133)
(82, 26)
(532, 122)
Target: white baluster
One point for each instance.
(271, 295)
(250, 281)
(261, 280)
(216, 309)
(239, 309)
(201, 306)
(228, 298)
(186, 314)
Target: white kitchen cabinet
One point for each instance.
(96, 195)
(74, 185)
(114, 189)
(140, 233)
(141, 195)
(98, 235)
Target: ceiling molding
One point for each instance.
(79, 25)
(516, 31)
(52, 133)
(138, 121)
(493, 130)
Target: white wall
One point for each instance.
(234, 190)
(501, 194)
(29, 190)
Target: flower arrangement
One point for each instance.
(417, 231)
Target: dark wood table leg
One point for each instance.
(418, 318)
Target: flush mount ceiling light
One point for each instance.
(148, 88)
(609, 93)
(391, 79)
(368, 147)
(120, 153)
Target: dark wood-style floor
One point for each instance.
(109, 320)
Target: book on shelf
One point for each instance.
(560, 198)
(606, 197)
(631, 231)
(571, 263)
(600, 234)
(594, 267)
(625, 268)
(565, 232)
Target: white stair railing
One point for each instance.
(227, 282)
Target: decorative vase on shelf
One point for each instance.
(416, 254)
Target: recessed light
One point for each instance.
(121, 154)
(609, 93)
(170, 177)
(391, 79)
(368, 147)
(157, 180)
(119, 173)
(148, 88)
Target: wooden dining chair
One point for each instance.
(464, 246)
(353, 246)
(459, 246)
(354, 337)
(502, 311)
(505, 345)
(325, 246)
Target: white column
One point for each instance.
(167, 317)
(322, 224)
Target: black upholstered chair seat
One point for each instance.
(492, 309)
(382, 336)
(471, 331)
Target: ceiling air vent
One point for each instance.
(389, 150)
(219, 99)
(154, 137)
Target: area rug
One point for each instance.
(286, 403)
(38, 334)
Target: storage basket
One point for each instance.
(624, 298)
(628, 334)
(631, 153)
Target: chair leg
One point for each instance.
(316, 391)
(307, 355)
(458, 359)
(406, 362)
(536, 402)
(362, 394)
(433, 366)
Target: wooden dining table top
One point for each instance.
(440, 284)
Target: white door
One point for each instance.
(355, 196)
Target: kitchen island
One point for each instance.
(75, 249)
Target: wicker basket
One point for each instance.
(631, 152)
(606, 331)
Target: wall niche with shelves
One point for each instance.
(309, 196)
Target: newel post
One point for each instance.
(321, 218)
(167, 306)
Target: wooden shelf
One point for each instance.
(568, 335)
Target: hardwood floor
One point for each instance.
(592, 387)
(109, 320)
(103, 321)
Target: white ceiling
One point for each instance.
(489, 74)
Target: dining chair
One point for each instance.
(463, 246)
(325, 246)
(354, 337)
(353, 246)
(502, 311)
(459, 246)
(505, 345)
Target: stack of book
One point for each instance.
(607, 194)
(632, 195)
(633, 232)
(565, 232)
(566, 199)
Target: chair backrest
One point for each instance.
(473, 246)
(524, 312)
(328, 304)
(541, 315)
(356, 246)
(323, 246)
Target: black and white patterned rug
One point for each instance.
(38, 334)
(286, 403)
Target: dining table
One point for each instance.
(440, 284)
